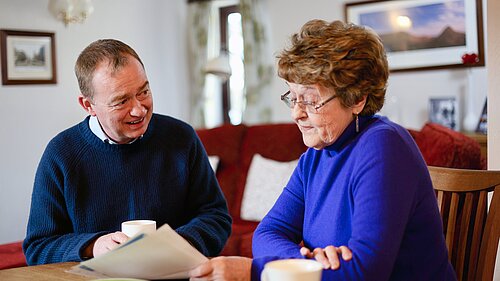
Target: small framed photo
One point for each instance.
(444, 111)
(423, 34)
(482, 125)
(27, 57)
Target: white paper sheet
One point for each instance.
(163, 254)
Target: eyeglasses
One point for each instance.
(311, 106)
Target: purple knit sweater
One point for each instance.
(369, 191)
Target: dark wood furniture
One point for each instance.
(482, 139)
(471, 230)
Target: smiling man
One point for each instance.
(123, 162)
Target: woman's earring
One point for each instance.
(357, 123)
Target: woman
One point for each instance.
(362, 183)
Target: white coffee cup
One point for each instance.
(292, 270)
(131, 228)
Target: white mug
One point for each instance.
(131, 228)
(292, 270)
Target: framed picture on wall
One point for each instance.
(444, 111)
(28, 57)
(482, 125)
(423, 34)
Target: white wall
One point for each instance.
(494, 98)
(494, 86)
(32, 115)
(411, 90)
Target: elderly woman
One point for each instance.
(362, 183)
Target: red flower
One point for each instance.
(471, 58)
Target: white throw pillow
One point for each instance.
(265, 181)
(214, 161)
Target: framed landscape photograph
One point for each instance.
(423, 34)
(27, 57)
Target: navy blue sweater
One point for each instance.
(85, 188)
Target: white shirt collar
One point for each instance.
(95, 127)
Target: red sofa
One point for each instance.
(236, 145)
(11, 255)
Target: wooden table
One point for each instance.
(46, 272)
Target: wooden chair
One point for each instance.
(471, 231)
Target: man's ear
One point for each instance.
(358, 107)
(86, 104)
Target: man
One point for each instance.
(121, 163)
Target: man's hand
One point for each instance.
(108, 242)
(328, 256)
(223, 268)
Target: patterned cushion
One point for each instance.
(444, 147)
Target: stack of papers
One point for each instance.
(163, 254)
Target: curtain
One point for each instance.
(197, 33)
(258, 61)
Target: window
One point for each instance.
(232, 38)
(225, 99)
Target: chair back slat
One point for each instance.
(440, 199)
(479, 216)
(464, 231)
(489, 245)
(470, 229)
(450, 229)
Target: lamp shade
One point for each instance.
(219, 66)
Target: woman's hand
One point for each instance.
(223, 268)
(328, 256)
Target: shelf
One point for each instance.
(482, 139)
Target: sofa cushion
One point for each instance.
(444, 147)
(265, 182)
(280, 142)
(11, 255)
(214, 162)
(225, 142)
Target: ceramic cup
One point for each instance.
(131, 228)
(292, 270)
